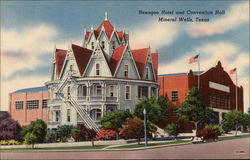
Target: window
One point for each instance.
(57, 116)
(92, 45)
(127, 92)
(68, 115)
(125, 70)
(97, 68)
(147, 73)
(103, 44)
(33, 104)
(111, 91)
(142, 91)
(98, 90)
(68, 91)
(45, 103)
(113, 44)
(19, 105)
(81, 91)
(71, 67)
(174, 96)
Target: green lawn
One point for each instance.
(232, 137)
(56, 148)
(149, 145)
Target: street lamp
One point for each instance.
(145, 127)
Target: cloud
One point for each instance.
(234, 17)
(24, 56)
(153, 34)
(21, 48)
(229, 55)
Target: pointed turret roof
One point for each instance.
(60, 55)
(140, 57)
(116, 57)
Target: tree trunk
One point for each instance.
(236, 128)
(93, 144)
(117, 135)
(32, 145)
(138, 140)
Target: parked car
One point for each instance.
(207, 134)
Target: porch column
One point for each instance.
(220, 117)
(149, 91)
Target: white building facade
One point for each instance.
(102, 75)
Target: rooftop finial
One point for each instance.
(92, 28)
(106, 16)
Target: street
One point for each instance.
(228, 149)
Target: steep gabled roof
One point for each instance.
(140, 57)
(116, 57)
(87, 35)
(107, 27)
(155, 62)
(60, 55)
(120, 35)
(82, 56)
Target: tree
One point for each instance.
(30, 138)
(235, 119)
(64, 132)
(115, 120)
(9, 128)
(156, 108)
(133, 129)
(51, 136)
(193, 109)
(106, 134)
(38, 128)
(82, 133)
(172, 129)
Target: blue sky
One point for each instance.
(30, 29)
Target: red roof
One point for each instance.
(116, 56)
(60, 55)
(87, 35)
(155, 62)
(107, 26)
(127, 36)
(140, 57)
(120, 34)
(82, 56)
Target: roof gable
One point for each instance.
(107, 27)
(140, 57)
(82, 56)
(60, 55)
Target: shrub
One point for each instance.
(13, 142)
(51, 136)
(207, 134)
(172, 129)
(106, 134)
(218, 128)
(64, 132)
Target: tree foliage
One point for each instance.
(172, 129)
(63, 132)
(235, 119)
(9, 128)
(193, 109)
(38, 128)
(156, 108)
(115, 120)
(30, 138)
(106, 134)
(82, 133)
(51, 136)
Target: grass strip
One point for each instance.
(149, 145)
(232, 137)
(55, 148)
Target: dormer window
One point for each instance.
(113, 44)
(97, 68)
(103, 44)
(125, 70)
(92, 45)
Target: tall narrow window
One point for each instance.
(127, 92)
(68, 115)
(113, 44)
(68, 91)
(111, 91)
(125, 70)
(103, 44)
(98, 90)
(147, 73)
(57, 116)
(92, 45)
(45, 103)
(174, 96)
(71, 67)
(81, 91)
(97, 67)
